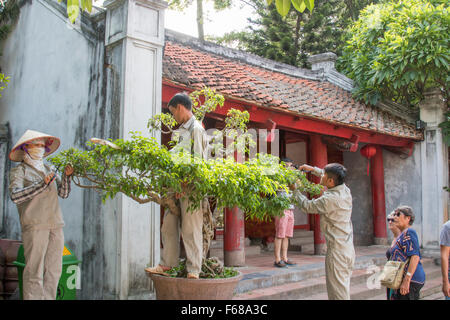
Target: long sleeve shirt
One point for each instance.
(37, 202)
(335, 209)
(191, 138)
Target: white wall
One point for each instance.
(49, 90)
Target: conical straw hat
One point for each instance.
(51, 144)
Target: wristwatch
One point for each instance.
(409, 274)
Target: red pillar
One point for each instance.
(234, 232)
(233, 238)
(378, 197)
(319, 158)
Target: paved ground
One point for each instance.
(265, 260)
(306, 280)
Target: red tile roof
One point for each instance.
(195, 68)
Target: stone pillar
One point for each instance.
(434, 164)
(378, 197)
(134, 40)
(323, 61)
(319, 158)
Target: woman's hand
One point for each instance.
(446, 289)
(49, 178)
(68, 170)
(404, 287)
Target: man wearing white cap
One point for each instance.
(34, 187)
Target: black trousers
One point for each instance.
(414, 292)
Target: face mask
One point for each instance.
(36, 153)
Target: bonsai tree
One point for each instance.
(146, 171)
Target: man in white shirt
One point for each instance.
(191, 140)
(445, 259)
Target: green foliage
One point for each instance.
(445, 126)
(291, 39)
(73, 8)
(398, 49)
(211, 268)
(146, 171)
(3, 82)
(283, 6)
(9, 13)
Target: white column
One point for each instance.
(137, 27)
(434, 163)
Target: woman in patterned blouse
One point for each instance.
(407, 249)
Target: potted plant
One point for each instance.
(146, 171)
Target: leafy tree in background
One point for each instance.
(9, 12)
(291, 39)
(183, 4)
(398, 49)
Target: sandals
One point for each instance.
(279, 264)
(290, 262)
(158, 270)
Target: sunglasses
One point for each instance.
(397, 214)
(390, 220)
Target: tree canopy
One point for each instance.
(294, 37)
(397, 49)
(147, 171)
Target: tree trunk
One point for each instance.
(201, 34)
(297, 38)
(208, 226)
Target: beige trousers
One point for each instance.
(190, 224)
(43, 250)
(338, 271)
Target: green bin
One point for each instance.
(67, 284)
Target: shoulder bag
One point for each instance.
(392, 274)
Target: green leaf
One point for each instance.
(299, 5)
(309, 4)
(73, 10)
(269, 2)
(283, 6)
(89, 5)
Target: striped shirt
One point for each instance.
(19, 195)
(37, 202)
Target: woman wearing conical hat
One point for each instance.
(34, 187)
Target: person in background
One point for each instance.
(284, 229)
(34, 187)
(335, 209)
(396, 232)
(445, 259)
(406, 247)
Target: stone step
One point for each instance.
(433, 281)
(285, 276)
(309, 283)
(301, 241)
(431, 286)
(309, 289)
(301, 233)
(216, 249)
(435, 296)
(430, 291)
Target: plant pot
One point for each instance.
(168, 288)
